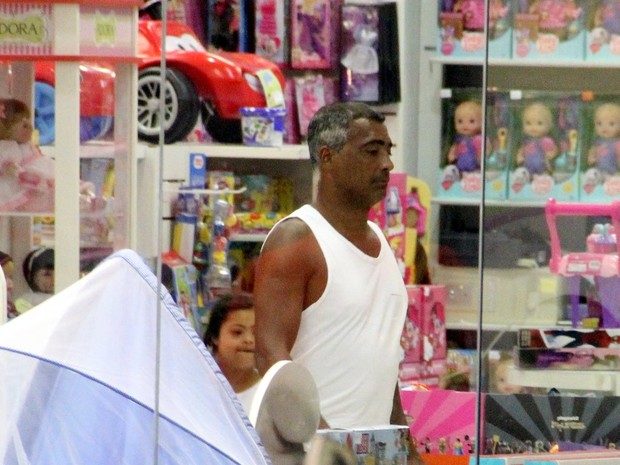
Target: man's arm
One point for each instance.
(282, 273)
(398, 418)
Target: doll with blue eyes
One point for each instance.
(466, 149)
(538, 148)
(605, 152)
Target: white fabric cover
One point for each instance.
(79, 375)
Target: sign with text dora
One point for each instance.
(25, 29)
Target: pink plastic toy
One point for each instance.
(600, 261)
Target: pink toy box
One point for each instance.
(271, 31)
(603, 31)
(315, 26)
(599, 263)
(600, 167)
(545, 155)
(441, 421)
(462, 26)
(411, 339)
(549, 30)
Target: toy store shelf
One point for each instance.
(570, 380)
(242, 237)
(285, 152)
(97, 149)
(515, 63)
(487, 203)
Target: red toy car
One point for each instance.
(212, 86)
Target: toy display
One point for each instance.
(548, 141)
(499, 132)
(549, 29)
(460, 174)
(603, 24)
(600, 174)
(600, 263)
(272, 31)
(462, 28)
(369, 58)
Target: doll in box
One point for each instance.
(556, 16)
(466, 150)
(607, 17)
(604, 154)
(538, 148)
(473, 14)
(26, 175)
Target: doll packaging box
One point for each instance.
(462, 148)
(546, 154)
(549, 29)
(603, 31)
(600, 170)
(411, 339)
(271, 32)
(462, 26)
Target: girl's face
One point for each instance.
(44, 280)
(21, 132)
(468, 120)
(234, 346)
(501, 380)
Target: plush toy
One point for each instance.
(538, 148)
(605, 152)
(26, 175)
(466, 150)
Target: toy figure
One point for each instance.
(38, 269)
(26, 175)
(497, 12)
(466, 150)
(457, 448)
(607, 17)
(538, 148)
(311, 17)
(473, 14)
(555, 16)
(605, 152)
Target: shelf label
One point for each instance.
(25, 29)
(105, 31)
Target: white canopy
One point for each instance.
(81, 373)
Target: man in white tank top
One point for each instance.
(328, 291)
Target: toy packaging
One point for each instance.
(263, 127)
(369, 54)
(462, 147)
(403, 216)
(452, 432)
(499, 134)
(377, 444)
(600, 170)
(271, 30)
(545, 156)
(315, 29)
(569, 358)
(549, 30)
(228, 25)
(603, 31)
(462, 28)
(411, 339)
(568, 338)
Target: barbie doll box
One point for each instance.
(462, 25)
(546, 154)
(603, 31)
(600, 169)
(549, 30)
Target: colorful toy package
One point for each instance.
(462, 146)
(462, 28)
(271, 31)
(315, 29)
(603, 31)
(600, 171)
(549, 29)
(499, 132)
(545, 156)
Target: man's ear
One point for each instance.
(325, 154)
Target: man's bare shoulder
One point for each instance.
(290, 232)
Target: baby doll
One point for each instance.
(466, 150)
(26, 175)
(38, 269)
(538, 148)
(605, 152)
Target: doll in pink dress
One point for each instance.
(26, 175)
(473, 14)
(555, 15)
(538, 148)
(605, 152)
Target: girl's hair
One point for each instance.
(38, 259)
(224, 305)
(11, 112)
(5, 258)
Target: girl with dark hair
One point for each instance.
(38, 269)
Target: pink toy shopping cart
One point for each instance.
(599, 263)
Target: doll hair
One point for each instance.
(5, 258)
(38, 259)
(11, 112)
(223, 306)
